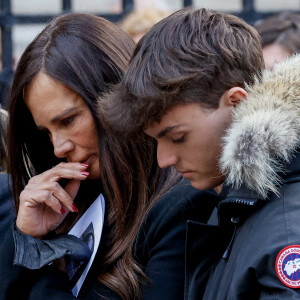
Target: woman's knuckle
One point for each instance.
(55, 185)
(32, 180)
(23, 194)
(46, 194)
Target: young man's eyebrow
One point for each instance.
(167, 130)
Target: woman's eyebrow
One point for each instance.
(58, 117)
(64, 113)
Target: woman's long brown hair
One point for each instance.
(89, 54)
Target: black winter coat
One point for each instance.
(245, 245)
(160, 249)
(251, 250)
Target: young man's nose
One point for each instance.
(61, 145)
(166, 157)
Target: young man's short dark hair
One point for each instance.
(192, 56)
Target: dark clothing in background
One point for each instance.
(7, 212)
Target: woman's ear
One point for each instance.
(234, 96)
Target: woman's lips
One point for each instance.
(88, 160)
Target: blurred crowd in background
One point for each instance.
(144, 15)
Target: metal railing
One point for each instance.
(8, 20)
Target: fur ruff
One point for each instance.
(265, 130)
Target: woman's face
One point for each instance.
(66, 118)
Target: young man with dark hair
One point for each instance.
(196, 84)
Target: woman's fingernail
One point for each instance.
(62, 211)
(85, 173)
(75, 209)
(85, 165)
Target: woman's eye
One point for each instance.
(45, 132)
(67, 121)
(180, 140)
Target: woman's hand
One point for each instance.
(44, 203)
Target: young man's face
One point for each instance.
(189, 138)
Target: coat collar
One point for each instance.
(265, 131)
(238, 203)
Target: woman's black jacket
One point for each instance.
(160, 250)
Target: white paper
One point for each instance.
(88, 228)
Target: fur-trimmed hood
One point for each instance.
(265, 130)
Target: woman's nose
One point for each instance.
(61, 144)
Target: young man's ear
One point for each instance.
(234, 96)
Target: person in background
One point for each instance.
(62, 157)
(7, 212)
(3, 139)
(139, 22)
(280, 36)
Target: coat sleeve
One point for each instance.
(20, 283)
(52, 285)
(278, 271)
(162, 239)
(273, 285)
(268, 240)
(16, 281)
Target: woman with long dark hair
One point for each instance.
(61, 158)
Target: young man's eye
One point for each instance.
(67, 121)
(177, 141)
